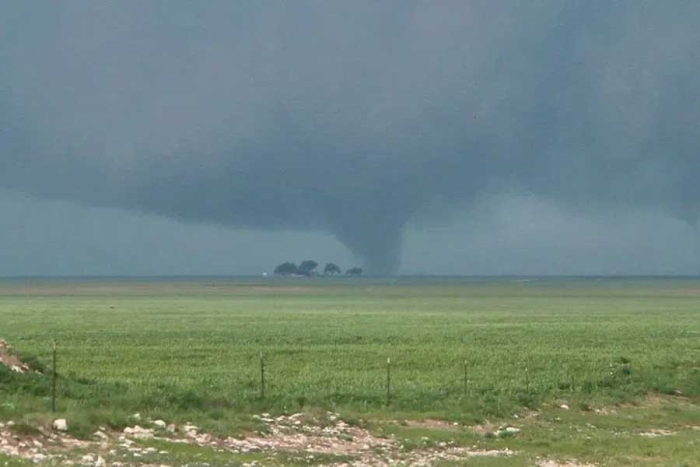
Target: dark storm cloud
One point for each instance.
(355, 118)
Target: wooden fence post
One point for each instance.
(262, 376)
(388, 381)
(54, 377)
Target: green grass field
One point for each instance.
(190, 351)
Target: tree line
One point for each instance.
(307, 268)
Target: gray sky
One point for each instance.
(475, 137)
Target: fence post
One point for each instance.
(262, 376)
(466, 380)
(54, 377)
(388, 381)
(527, 381)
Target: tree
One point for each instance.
(331, 269)
(286, 269)
(354, 271)
(306, 268)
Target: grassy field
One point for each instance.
(622, 354)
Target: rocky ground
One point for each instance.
(9, 359)
(335, 440)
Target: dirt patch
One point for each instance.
(9, 359)
(645, 402)
(432, 425)
(563, 464)
(486, 429)
(657, 433)
(658, 400)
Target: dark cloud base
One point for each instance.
(356, 119)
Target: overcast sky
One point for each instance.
(452, 137)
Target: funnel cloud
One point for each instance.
(353, 118)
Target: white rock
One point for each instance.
(60, 424)
(190, 430)
(160, 424)
(512, 430)
(101, 435)
(136, 416)
(10, 423)
(100, 462)
(564, 407)
(87, 459)
(138, 432)
(37, 458)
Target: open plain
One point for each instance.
(409, 371)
